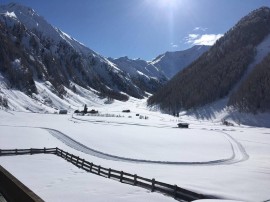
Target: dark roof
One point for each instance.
(183, 124)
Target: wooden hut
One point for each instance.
(63, 111)
(183, 125)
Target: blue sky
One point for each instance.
(142, 28)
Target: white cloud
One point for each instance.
(200, 29)
(193, 36)
(174, 45)
(205, 39)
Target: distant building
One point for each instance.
(126, 111)
(93, 111)
(183, 125)
(63, 111)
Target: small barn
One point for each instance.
(63, 111)
(183, 125)
(93, 111)
(126, 111)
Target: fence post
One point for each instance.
(77, 160)
(135, 179)
(71, 157)
(99, 170)
(44, 150)
(82, 163)
(153, 184)
(68, 158)
(91, 165)
(61, 153)
(109, 174)
(56, 150)
(66, 155)
(0, 152)
(31, 151)
(16, 151)
(121, 176)
(175, 191)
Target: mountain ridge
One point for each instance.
(213, 75)
(171, 63)
(36, 56)
(65, 57)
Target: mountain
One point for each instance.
(143, 74)
(42, 65)
(151, 75)
(253, 95)
(33, 50)
(170, 63)
(224, 70)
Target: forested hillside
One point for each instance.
(254, 93)
(217, 71)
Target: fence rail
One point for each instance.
(174, 191)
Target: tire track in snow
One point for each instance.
(235, 158)
(238, 152)
(241, 154)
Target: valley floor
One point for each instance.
(230, 162)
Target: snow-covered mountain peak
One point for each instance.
(57, 57)
(173, 62)
(38, 53)
(36, 23)
(10, 15)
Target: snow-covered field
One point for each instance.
(228, 162)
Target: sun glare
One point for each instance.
(168, 3)
(165, 4)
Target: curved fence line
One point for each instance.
(174, 191)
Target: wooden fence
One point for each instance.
(174, 191)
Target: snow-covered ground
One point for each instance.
(228, 162)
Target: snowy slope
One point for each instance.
(173, 62)
(54, 55)
(48, 55)
(143, 73)
(161, 69)
(243, 176)
(46, 101)
(165, 65)
(134, 66)
(33, 21)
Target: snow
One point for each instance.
(213, 200)
(170, 63)
(10, 14)
(17, 64)
(36, 23)
(48, 173)
(46, 100)
(31, 58)
(137, 67)
(142, 74)
(229, 162)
